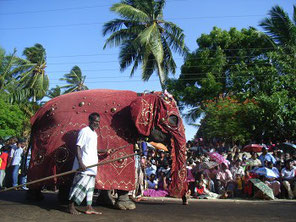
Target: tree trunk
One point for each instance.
(161, 76)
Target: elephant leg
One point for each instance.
(123, 202)
(105, 198)
(63, 194)
(34, 195)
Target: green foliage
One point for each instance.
(54, 92)
(225, 118)
(34, 82)
(12, 120)
(243, 66)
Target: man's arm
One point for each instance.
(10, 156)
(79, 157)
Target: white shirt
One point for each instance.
(151, 170)
(88, 141)
(288, 174)
(16, 155)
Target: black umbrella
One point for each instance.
(287, 147)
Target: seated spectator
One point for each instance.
(162, 182)
(288, 176)
(229, 157)
(269, 165)
(152, 182)
(210, 174)
(273, 183)
(156, 188)
(253, 161)
(237, 169)
(162, 160)
(224, 180)
(201, 192)
(247, 184)
(151, 168)
(238, 191)
(265, 156)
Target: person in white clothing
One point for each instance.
(87, 154)
(289, 179)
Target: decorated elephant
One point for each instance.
(125, 117)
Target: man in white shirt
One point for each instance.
(289, 179)
(15, 159)
(87, 154)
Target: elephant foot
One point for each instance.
(63, 194)
(34, 195)
(123, 202)
(105, 198)
(125, 205)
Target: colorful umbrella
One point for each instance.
(263, 187)
(218, 158)
(287, 147)
(265, 172)
(159, 146)
(207, 165)
(253, 148)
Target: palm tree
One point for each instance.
(54, 92)
(75, 80)
(280, 27)
(145, 38)
(10, 67)
(34, 82)
(6, 67)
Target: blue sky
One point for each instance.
(71, 33)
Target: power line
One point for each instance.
(187, 79)
(56, 10)
(101, 70)
(105, 62)
(228, 65)
(63, 9)
(155, 80)
(95, 54)
(100, 23)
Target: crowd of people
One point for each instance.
(13, 162)
(213, 171)
(218, 171)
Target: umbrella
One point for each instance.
(263, 187)
(253, 148)
(218, 158)
(193, 148)
(265, 172)
(253, 163)
(287, 147)
(207, 165)
(159, 146)
(197, 149)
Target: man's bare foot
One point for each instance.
(91, 210)
(73, 211)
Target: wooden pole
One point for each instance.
(68, 172)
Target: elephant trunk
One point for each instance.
(179, 185)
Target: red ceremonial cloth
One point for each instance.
(56, 126)
(149, 112)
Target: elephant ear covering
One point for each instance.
(154, 110)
